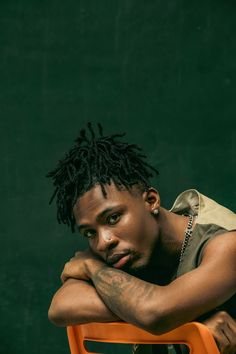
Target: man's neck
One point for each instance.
(172, 230)
(167, 252)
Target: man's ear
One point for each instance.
(152, 200)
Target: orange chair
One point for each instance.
(195, 335)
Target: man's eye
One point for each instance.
(89, 233)
(113, 219)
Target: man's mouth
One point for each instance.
(119, 260)
(122, 261)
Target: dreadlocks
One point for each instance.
(94, 161)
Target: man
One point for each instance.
(145, 265)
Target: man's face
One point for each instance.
(120, 228)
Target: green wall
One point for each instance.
(163, 71)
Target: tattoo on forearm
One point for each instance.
(123, 293)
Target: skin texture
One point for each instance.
(129, 246)
(223, 328)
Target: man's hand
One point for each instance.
(77, 266)
(223, 328)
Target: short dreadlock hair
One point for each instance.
(93, 161)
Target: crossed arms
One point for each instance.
(93, 291)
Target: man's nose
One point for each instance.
(106, 240)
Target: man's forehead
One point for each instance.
(90, 202)
(94, 198)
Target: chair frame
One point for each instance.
(193, 334)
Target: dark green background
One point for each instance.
(163, 71)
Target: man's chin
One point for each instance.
(140, 271)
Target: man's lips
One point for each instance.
(118, 260)
(122, 261)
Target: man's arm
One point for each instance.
(76, 302)
(161, 308)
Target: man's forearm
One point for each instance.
(128, 297)
(78, 302)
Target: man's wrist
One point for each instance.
(93, 266)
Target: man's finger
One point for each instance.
(223, 343)
(229, 330)
(232, 324)
(220, 338)
(63, 277)
(230, 335)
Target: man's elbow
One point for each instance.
(58, 313)
(157, 322)
(157, 326)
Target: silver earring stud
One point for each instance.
(155, 211)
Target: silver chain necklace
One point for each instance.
(187, 235)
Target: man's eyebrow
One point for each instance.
(82, 226)
(104, 212)
(99, 216)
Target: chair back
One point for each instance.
(195, 335)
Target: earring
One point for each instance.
(155, 211)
